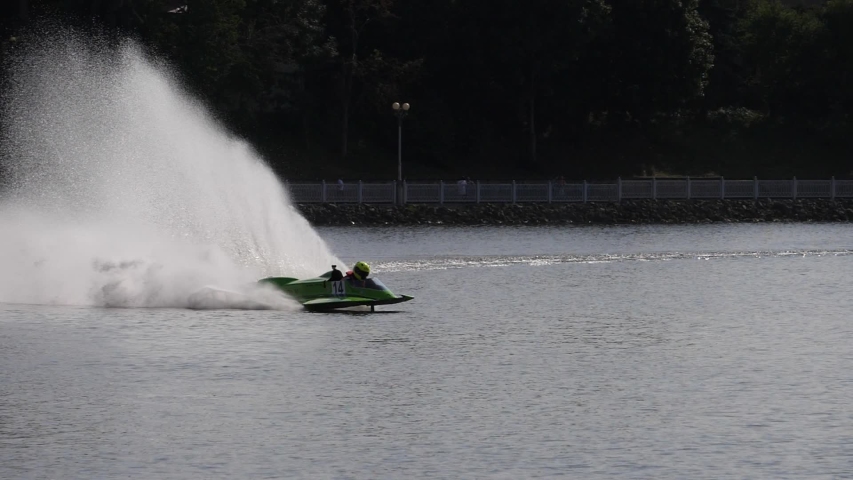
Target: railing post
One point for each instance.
(394, 195)
(360, 194)
(619, 189)
(323, 191)
(477, 182)
(755, 188)
(585, 189)
(549, 191)
(405, 192)
(794, 188)
(722, 187)
(654, 188)
(513, 191)
(441, 192)
(832, 188)
(688, 188)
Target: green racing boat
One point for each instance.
(333, 290)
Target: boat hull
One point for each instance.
(323, 294)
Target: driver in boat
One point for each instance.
(336, 274)
(359, 272)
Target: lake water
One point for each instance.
(665, 352)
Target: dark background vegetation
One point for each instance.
(506, 89)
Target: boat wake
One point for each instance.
(213, 298)
(450, 262)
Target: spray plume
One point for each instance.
(121, 190)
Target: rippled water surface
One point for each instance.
(671, 352)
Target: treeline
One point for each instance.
(498, 88)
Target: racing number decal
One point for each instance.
(338, 288)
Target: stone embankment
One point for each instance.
(626, 212)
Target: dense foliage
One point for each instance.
(581, 88)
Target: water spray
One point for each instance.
(122, 190)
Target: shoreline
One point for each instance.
(627, 212)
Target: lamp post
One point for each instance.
(400, 111)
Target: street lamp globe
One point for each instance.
(396, 106)
(406, 107)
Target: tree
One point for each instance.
(661, 55)
(728, 78)
(280, 39)
(837, 43)
(781, 46)
(547, 39)
(347, 21)
(517, 53)
(208, 35)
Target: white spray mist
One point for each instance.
(121, 190)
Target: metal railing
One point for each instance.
(554, 192)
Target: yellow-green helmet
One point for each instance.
(361, 270)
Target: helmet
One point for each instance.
(361, 270)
